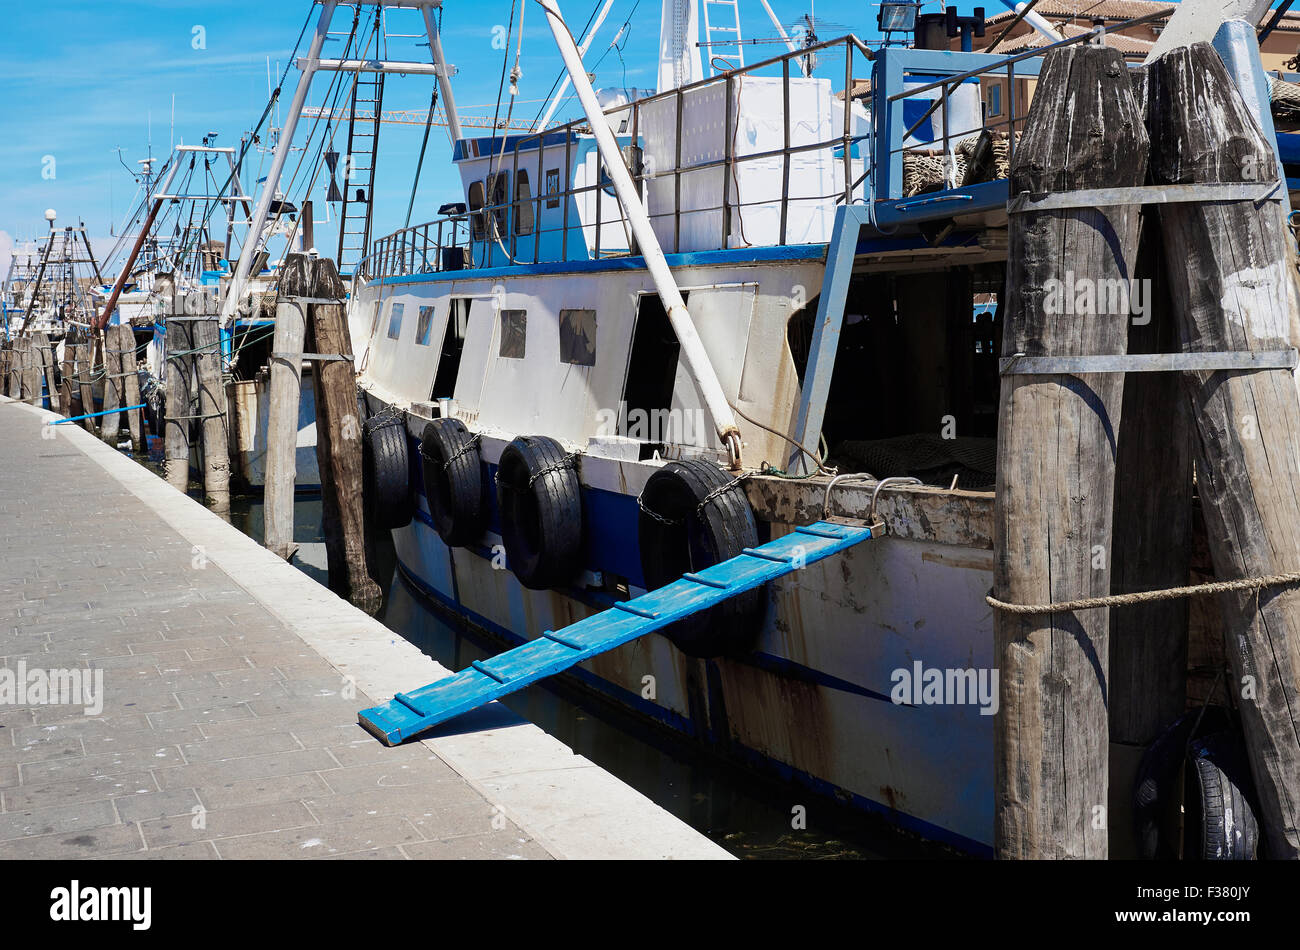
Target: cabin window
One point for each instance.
(477, 227)
(995, 100)
(514, 333)
(424, 326)
(498, 186)
(523, 204)
(453, 344)
(552, 187)
(395, 321)
(578, 337)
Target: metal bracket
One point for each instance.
(1022, 365)
(1026, 202)
(316, 357)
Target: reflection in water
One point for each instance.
(748, 816)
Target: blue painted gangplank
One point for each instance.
(409, 714)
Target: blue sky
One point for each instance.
(81, 78)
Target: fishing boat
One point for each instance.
(686, 325)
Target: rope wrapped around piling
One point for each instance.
(1148, 596)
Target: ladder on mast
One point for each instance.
(359, 167)
(726, 34)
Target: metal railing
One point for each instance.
(591, 224)
(891, 137)
(586, 221)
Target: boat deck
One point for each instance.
(231, 685)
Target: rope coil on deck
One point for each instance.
(1148, 596)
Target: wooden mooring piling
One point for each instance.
(195, 393)
(285, 390)
(1227, 271)
(310, 325)
(1056, 459)
(1095, 488)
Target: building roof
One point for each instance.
(1119, 10)
(1035, 40)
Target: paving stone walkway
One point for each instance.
(221, 734)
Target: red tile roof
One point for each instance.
(1120, 10)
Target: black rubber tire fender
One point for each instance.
(457, 505)
(539, 497)
(386, 472)
(1221, 821)
(1156, 784)
(695, 539)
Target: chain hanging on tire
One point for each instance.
(699, 509)
(562, 464)
(463, 450)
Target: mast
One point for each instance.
(693, 352)
(679, 45)
(263, 207)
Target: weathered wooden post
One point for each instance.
(284, 392)
(1227, 267)
(45, 352)
(179, 383)
(86, 380)
(32, 368)
(125, 346)
(15, 373)
(1153, 513)
(1056, 457)
(338, 441)
(212, 400)
(30, 371)
(69, 394)
(111, 424)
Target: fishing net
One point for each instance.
(1285, 99)
(976, 158)
(925, 455)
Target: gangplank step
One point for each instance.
(409, 714)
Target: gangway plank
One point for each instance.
(409, 714)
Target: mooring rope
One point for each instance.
(1148, 596)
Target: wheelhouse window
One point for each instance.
(395, 321)
(424, 326)
(514, 333)
(552, 187)
(477, 224)
(523, 204)
(578, 337)
(499, 186)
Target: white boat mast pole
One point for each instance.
(582, 51)
(696, 357)
(252, 239)
(1039, 23)
(444, 75)
(789, 44)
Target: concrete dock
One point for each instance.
(230, 687)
